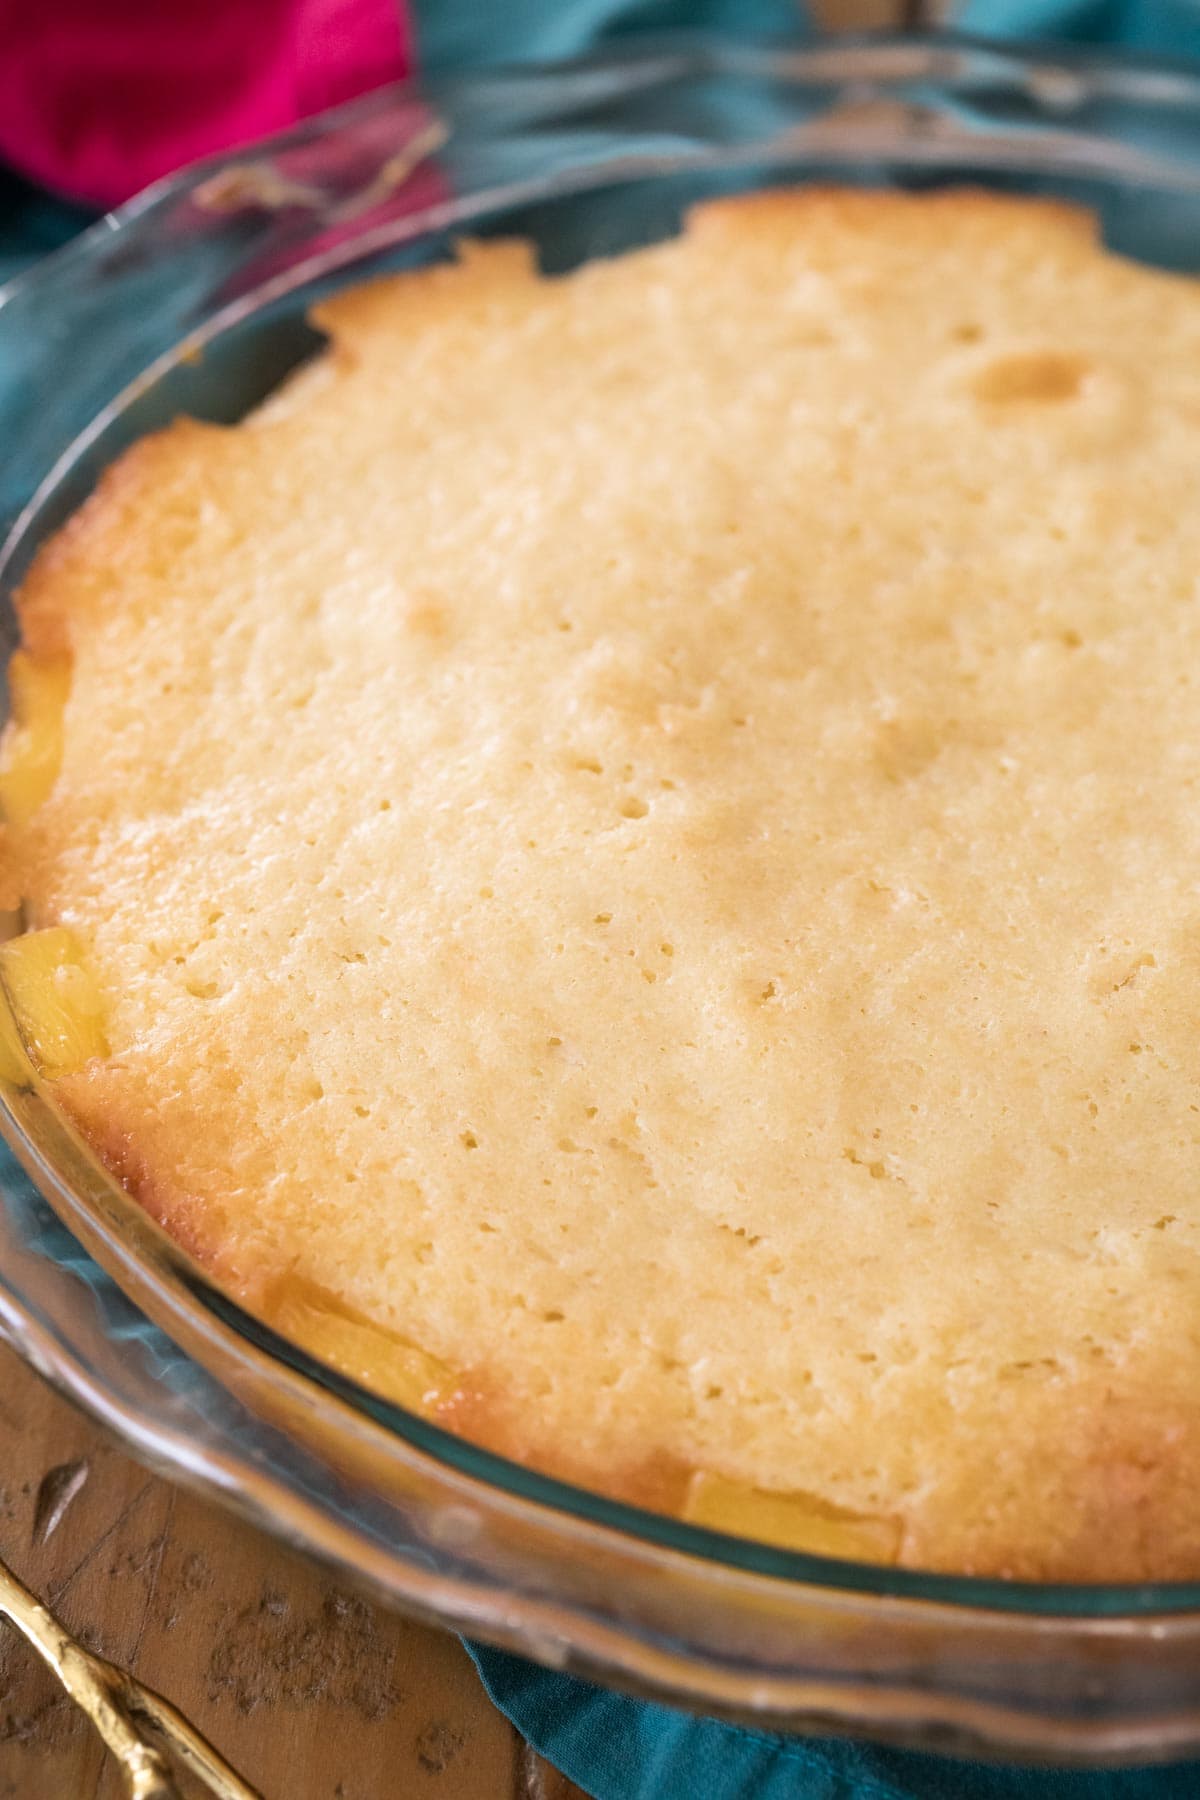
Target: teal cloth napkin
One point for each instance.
(32, 224)
(616, 1748)
(1160, 27)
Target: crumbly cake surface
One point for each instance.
(642, 831)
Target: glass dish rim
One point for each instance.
(1165, 1605)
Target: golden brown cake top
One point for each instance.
(640, 831)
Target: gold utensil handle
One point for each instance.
(118, 1707)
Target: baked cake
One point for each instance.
(623, 860)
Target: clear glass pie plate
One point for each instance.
(193, 298)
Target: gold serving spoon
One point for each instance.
(120, 1708)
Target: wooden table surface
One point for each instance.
(311, 1692)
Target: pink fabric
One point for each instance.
(100, 97)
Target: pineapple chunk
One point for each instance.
(378, 1359)
(57, 1006)
(16, 1070)
(790, 1521)
(31, 749)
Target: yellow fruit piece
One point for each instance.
(16, 1070)
(32, 745)
(58, 1008)
(353, 1346)
(790, 1521)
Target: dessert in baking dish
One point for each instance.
(621, 860)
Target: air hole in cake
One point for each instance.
(1037, 377)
